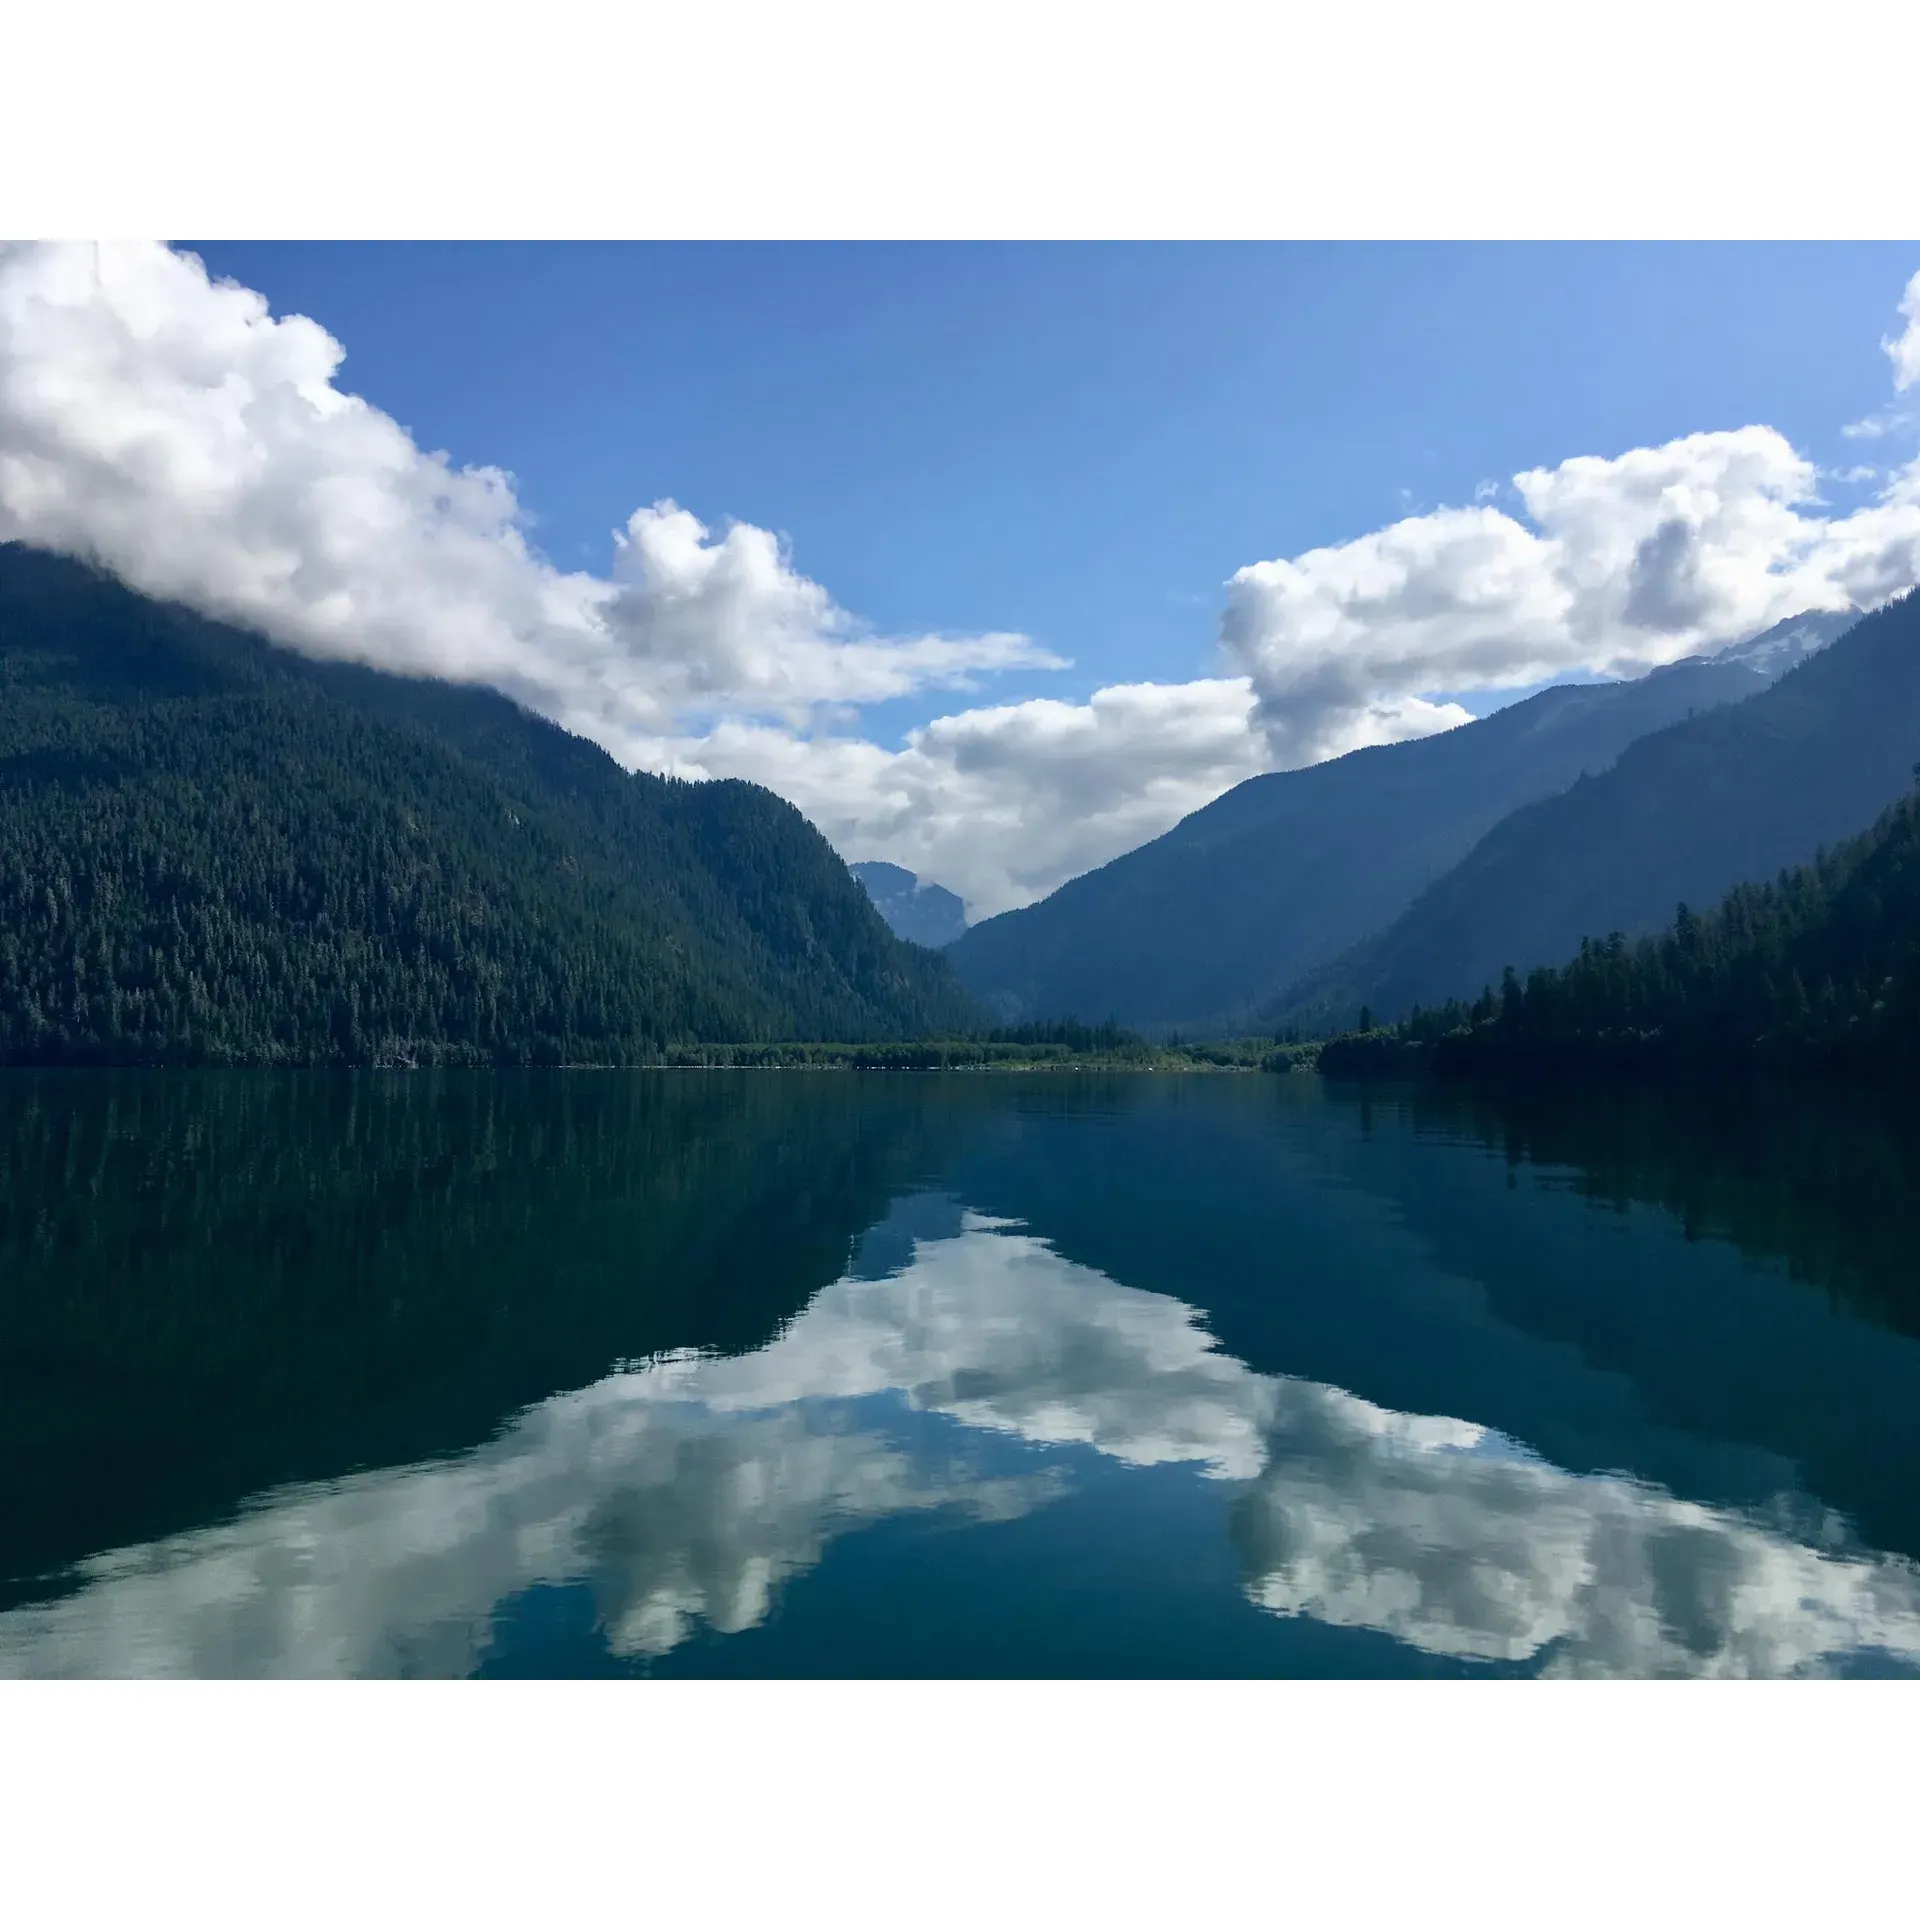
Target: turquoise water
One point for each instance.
(860, 1374)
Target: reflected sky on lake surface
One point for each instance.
(966, 1378)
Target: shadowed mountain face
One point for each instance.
(1207, 924)
(1731, 796)
(214, 850)
(915, 909)
(1816, 973)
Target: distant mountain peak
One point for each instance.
(1781, 647)
(916, 909)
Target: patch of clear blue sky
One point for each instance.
(1081, 442)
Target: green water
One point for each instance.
(861, 1374)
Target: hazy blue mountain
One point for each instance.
(915, 909)
(212, 849)
(1207, 924)
(1738, 794)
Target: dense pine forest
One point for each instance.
(1817, 971)
(212, 850)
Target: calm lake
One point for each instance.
(682, 1374)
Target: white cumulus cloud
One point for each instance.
(1903, 349)
(171, 429)
(174, 431)
(1004, 803)
(1620, 565)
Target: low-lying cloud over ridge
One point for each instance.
(1004, 803)
(170, 429)
(1627, 564)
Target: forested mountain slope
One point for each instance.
(1817, 969)
(212, 849)
(1212, 920)
(1734, 795)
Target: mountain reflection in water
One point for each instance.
(965, 1373)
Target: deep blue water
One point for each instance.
(859, 1374)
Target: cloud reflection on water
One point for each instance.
(689, 1491)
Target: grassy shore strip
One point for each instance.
(989, 1056)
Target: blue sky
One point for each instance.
(1270, 503)
(1083, 442)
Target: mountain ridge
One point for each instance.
(918, 910)
(1204, 926)
(1686, 813)
(212, 848)
(1817, 971)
